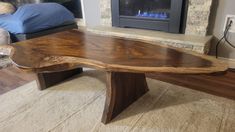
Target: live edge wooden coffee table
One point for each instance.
(58, 56)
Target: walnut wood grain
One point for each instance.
(71, 49)
(122, 90)
(125, 61)
(46, 80)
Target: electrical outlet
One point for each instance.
(227, 21)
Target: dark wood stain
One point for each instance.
(46, 80)
(122, 90)
(11, 78)
(217, 84)
(220, 85)
(108, 50)
(54, 57)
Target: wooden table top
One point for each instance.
(71, 49)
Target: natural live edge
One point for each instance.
(6, 50)
(78, 62)
(50, 62)
(124, 61)
(74, 62)
(67, 63)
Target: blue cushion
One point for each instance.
(35, 17)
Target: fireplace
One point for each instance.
(162, 15)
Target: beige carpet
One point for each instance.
(77, 105)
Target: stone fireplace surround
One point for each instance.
(195, 37)
(197, 17)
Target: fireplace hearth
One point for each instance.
(162, 15)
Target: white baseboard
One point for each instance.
(80, 22)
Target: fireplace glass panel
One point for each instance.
(156, 9)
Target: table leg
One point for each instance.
(45, 80)
(122, 90)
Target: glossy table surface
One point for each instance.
(70, 49)
(59, 56)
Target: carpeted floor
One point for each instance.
(76, 106)
(4, 62)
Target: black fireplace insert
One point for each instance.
(163, 15)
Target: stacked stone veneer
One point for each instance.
(198, 17)
(196, 24)
(106, 15)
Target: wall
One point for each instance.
(91, 12)
(224, 7)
